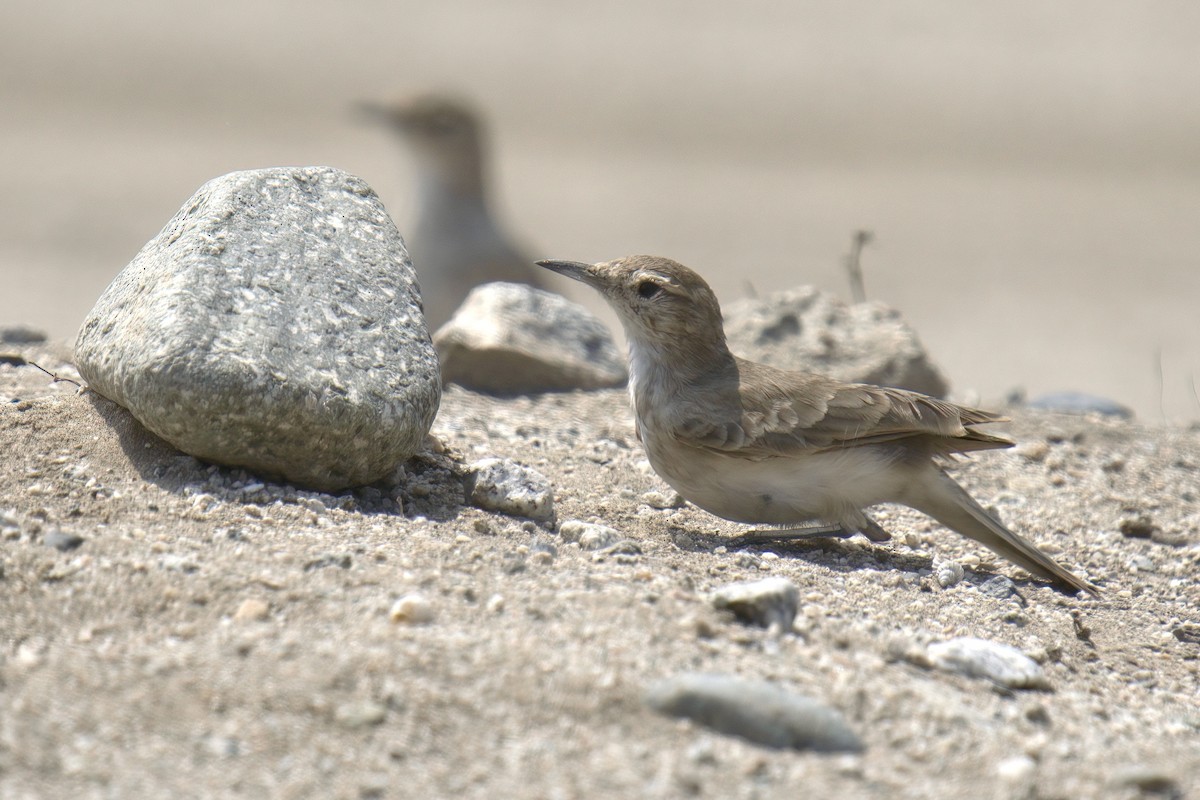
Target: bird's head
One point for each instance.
(659, 301)
(435, 125)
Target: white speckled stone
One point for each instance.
(980, 658)
(274, 324)
(501, 485)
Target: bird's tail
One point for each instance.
(939, 496)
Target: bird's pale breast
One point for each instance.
(831, 486)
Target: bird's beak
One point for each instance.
(576, 270)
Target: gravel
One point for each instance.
(124, 655)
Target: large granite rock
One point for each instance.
(274, 324)
(509, 338)
(806, 329)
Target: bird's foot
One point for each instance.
(871, 530)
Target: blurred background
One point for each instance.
(1031, 171)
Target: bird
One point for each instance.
(457, 243)
(755, 444)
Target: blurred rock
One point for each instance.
(755, 710)
(1148, 779)
(1079, 403)
(589, 535)
(979, 658)
(1140, 527)
(1187, 632)
(509, 338)
(766, 603)
(20, 334)
(806, 329)
(61, 540)
(273, 324)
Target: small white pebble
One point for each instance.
(495, 603)
(1015, 769)
(252, 609)
(413, 609)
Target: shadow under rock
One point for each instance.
(428, 485)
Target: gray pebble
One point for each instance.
(274, 324)
(61, 540)
(1147, 779)
(999, 587)
(1187, 632)
(771, 602)
(501, 485)
(979, 658)
(757, 711)
(589, 535)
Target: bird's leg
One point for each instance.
(871, 530)
(874, 531)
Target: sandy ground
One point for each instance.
(1030, 173)
(1032, 180)
(214, 636)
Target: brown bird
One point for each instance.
(456, 242)
(756, 444)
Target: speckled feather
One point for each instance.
(787, 413)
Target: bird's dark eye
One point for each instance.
(648, 289)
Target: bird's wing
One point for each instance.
(790, 413)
